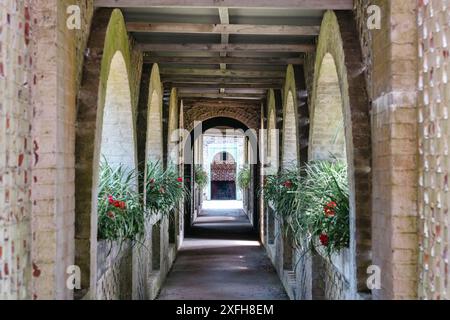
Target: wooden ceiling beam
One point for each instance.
(225, 37)
(241, 96)
(224, 85)
(224, 60)
(235, 80)
(194, 102)
(221, 73)
(223, 29)
(269, 4)
(216, 47)
(216, 90)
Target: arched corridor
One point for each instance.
(222, 259)
(224, 150)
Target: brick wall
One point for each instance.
(58, 58)
(433, 101)
(394, 149)
(114, 271)
(16, 79)
(197, 111)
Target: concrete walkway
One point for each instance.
(222, 260)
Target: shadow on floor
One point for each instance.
(221, 259)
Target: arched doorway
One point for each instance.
(117, 154)
(193, 156)
(105, 130)
(223, 177)
(340, 131)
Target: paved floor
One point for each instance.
(222, 260)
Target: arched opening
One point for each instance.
(290, 144)
(328, 143)
(273, 164)
(223, 177)
(154, 144)
(174, 136)
(328, 134)
(116, 175)
(290, 160)
(104, 131)
(337, 85)
(118, 141)
(158, 225)
(206, 139)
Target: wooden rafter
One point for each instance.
(241, 96)
(224, 29)
(214, 47)
(243, 90)
(221, 73)
(278, 4)
(225, 37)
(224, 60)
(215, 79)
(224, 85)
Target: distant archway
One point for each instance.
(223, 177)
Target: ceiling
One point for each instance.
(227, 49)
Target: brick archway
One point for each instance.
(154, 139)
(272, 135)
(290, 133)
(173, 135)
(338, 39)
(248, 114)
(108, 37)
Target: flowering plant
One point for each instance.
(120, 211)
(280, 190)
(201, 176)
(164, 188)
(244, 177)
(323, 206)
(313, 202)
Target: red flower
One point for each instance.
(110, 199)
(180, 179)
(287, 184)
(111, 215)
(123, 205)
(152, 181)
(331, 204)
(329, 209)
(324, 239)
(117, 204)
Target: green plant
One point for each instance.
(244, 177)
(323, 203)
(201, 176)
(313, 203)
(280, 191)
(164, 188)
(120, 210)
